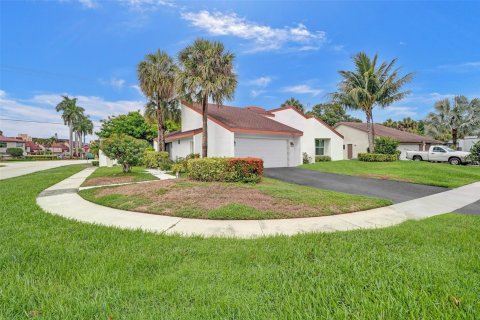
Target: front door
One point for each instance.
(349, 151)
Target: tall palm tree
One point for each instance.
(156, 75)
(85, 127)
(294, 103)
(171, 111)
(206, 73)
(70, 114)
(463, 118)
(370, 85)
(77, 129)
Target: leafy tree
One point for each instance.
(171, 115)
(370, 85)
(407, 124)
(454, 122)
(331, 113)
(127, 150)
(294, 103)
(156, 75)
(475, 152)
(15, 152)
(206, 72)
(132, 124)
(94, 147)
(71, 113)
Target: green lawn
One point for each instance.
(106, 175)
(56, 268)
(270, 199)
(435, 174)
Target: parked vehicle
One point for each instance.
(439, 154)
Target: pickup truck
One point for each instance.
(439, 154)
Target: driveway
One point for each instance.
(20, 168)
(396, 191)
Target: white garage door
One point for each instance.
(274, 152)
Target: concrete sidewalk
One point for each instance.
(62, 199)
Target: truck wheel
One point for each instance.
(417, 158)
(454, 161)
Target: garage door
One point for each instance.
(274, 152)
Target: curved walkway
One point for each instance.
(62, 199)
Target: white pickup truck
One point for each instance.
(439, 154)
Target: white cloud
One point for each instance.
(303, 89)
(144, 5)
(264, 37)
(261, 82)
(89, 4)
(113, 82)
(41, 108)
(397, 111)
(471, 66)
(256, 93)
(137, 88)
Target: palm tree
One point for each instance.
(370, 85)
(463, 118)
(294, 103)
(70, 114)
(156, 75)
(206, 72)
(171, 112)
(84, 127)
(390, 123)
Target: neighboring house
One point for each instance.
(57, 148)
(466, 143)
(279, 136)
(356, 139)
(9, 142)
(32, 148)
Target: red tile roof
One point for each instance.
(307, 117)
(244, 120)
(32, 145)
(380, 130)
(181, 134)
(10, 139)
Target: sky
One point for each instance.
(89, 49)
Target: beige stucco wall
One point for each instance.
(357, 138)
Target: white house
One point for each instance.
(9, 142)
(356, 139)
(279, 136)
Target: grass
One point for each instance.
(270, 199)
(435, 174)
(111, 175)
(54, 268)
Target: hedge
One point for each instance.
(322, 158)
(95, 163)
(154, 159)
(249, 170)
(377, 157)
(41, 157)
(15, 152)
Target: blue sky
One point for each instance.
(90, 49)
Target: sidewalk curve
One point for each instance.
(55, 198)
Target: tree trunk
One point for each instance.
(204, 126)
(70, 148)
(369, 131)
(126, 167)
(160, 128)
(454, 137)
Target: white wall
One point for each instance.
(104, 161)
(181, 148)
(358, 139)
(404, 147)
(312, 129)
(191, 120)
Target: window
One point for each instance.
(19, 145)
(319, 147)
(3, 144)
(438, 149)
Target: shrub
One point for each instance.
(95, 163)
(377, 157)
(249, 170)
(385, 145)
(208, 169)
(322, 158)
(41, 157)
(15, 152)
(127, 150)
(154, 159)
(475, 153)
(306, 158)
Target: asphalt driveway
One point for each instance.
(396, 191)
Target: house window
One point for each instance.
(19, 145)
(3, 144)
(319, 147)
